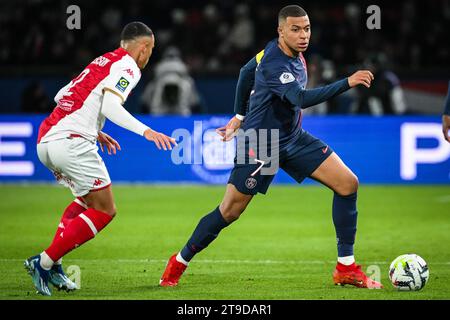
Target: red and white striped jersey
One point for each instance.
(78, 109)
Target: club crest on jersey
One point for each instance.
(122, 85)
(251, 183)
(287, 77)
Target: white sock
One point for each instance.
(59, 262)
(46, 261)
(346, 261)
(180, 259)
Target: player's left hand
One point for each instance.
(446, 126)
(363, 77)
(105, 141)
(229, 131)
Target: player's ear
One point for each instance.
(280, 31)
(143, 48)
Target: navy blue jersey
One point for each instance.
(269, 108)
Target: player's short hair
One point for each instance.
(291, 11)
(135, 30)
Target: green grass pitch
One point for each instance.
(283, 246)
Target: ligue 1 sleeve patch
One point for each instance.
(287, 77)
(123, 84)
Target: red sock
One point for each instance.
(72, 211)
(82, 228)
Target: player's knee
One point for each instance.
(231, 211)
(109, 209)
(112, 211)
(231, 216)
(348, 185)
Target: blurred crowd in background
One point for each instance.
(196, 39)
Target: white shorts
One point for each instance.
(76, 164)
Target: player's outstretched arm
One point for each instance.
(114, 111)
(310, 97)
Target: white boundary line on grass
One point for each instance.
(221, 261)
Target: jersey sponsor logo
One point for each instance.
(122, 84)
(286, 77)
(65, 104)
(251, 183)
(130, 72)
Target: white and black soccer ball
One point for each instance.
(409, 272)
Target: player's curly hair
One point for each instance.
(135, 30)
(291, 11)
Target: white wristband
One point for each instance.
(240, 117)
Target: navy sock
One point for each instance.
(206, 231)
(344, 218)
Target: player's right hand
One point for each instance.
(229, 131)
(446, 126)
(363, 77)
(106, 141)
(160, 139)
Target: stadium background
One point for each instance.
(213, 39)
(386, 143)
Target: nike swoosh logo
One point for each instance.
(324, 150)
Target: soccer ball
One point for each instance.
(408, 272)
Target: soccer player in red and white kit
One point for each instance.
(67, 146)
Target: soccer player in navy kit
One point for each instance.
(274, 85)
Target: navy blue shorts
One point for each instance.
(299, 161)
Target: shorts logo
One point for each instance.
(251, 183)
(287, 77)
(122, 85)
